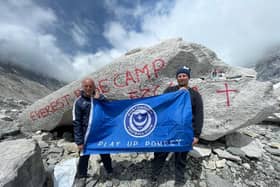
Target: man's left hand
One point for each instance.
(97, 94)
(195, 140)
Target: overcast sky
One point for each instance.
(68, 39)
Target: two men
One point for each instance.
(81, 114)
(183, 77)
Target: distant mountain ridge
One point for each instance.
(268, 68)
(19, 83)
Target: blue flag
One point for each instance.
(153, 124)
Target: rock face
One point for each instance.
(8, 129)
(268, 68)
(232, 96)
(21, 164)
(9, 111)
(275, 116)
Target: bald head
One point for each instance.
(88, 80)
(88, 86)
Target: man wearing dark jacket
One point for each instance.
(81, 114)
(182, 76)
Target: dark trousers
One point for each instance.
(83, 164)
(180, 165)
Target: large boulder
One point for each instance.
(230, 105)
(21, 164)
(232, 96)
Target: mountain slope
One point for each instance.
(18, 83)
(268, 68)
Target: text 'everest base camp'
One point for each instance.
(232, 99)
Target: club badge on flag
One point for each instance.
(152, 124)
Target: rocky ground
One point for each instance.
(216, 165)
(9, 111)
(250, 157)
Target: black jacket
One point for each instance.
(197, 109)
(80, 113)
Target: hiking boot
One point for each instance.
(179, 183)
(107, 174)
(80, 182)
(153, 181)
(83, 176)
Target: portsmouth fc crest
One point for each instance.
(140, 120)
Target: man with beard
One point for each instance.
(183, 77)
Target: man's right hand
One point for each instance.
(195, 140)
(81, 147)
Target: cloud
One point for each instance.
(79, 35)
(24, 40)
(27, 14)
(34, 52)
(121, 11)
(125, 40)
(81, 31)
(85, 63)
(238, 31)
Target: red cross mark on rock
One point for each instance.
(227, 92)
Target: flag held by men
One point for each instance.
(153, 124)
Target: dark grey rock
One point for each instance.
(236, 151)
(68, 136)
(272, 150)
(227, 155)
(237, 139)
(254, 149)
(8, 129)
(6, 118)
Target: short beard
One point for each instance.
(183, 84)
